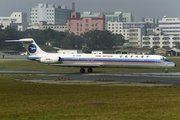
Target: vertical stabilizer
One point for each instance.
(30, 45)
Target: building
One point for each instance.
(135, 37)
(17, 20)
(149, 33)
(35, 26)
(117, 16)
(50, 43)
(62, 51)
(170, 26)
(78, 25)
(167, 35)
(43, 26)
(123, 27)
(161, 51)
(48, 48)
(173, 52)
(52, 14)
(149, 24)
(90, 15)
(161, 41)
(164, 36)
(134, 51)
(127, 17)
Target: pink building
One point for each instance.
(79, 25)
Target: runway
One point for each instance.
(34, 72)
(113, 77)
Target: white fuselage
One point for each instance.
(105, 60)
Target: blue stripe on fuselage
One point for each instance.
(114, 60)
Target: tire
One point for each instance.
(90, 70)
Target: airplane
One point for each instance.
(91, 61)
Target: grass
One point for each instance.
(32, 65)
(19, 100)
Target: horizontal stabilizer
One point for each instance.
(21, 40)
(77, 65)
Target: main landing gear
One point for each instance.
(82, 70)
(90, 70)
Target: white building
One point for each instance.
(69, 51)
(52, 14)
(151, 21)
(117, 16)
(17, 20)
(61, 28)
(146, 34)
(123, 27)
(43, 26)
(135, 37)
(161, 41)
(168, 37)
(170, 26)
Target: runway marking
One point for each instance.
(99, 83)
(137, 74)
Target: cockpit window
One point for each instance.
(164, 59)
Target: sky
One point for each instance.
(138, 8)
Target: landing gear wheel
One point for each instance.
(166, 71)
(82, 70)
(90, 70)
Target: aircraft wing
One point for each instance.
(77, 65)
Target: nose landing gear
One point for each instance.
(166, 71)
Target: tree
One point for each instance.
(155, 47)
(40, 36)
(97, 39)
(178, 45)
(7, 34)
(86, 50)
(59, 37)
(70, 41)
(78, 42)
(94, 39)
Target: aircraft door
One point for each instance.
(59, 59)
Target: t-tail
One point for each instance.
(32, 48)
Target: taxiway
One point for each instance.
(113, 77)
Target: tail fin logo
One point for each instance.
(32, 48)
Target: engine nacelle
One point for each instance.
(49, 60)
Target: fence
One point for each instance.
(13, 56)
